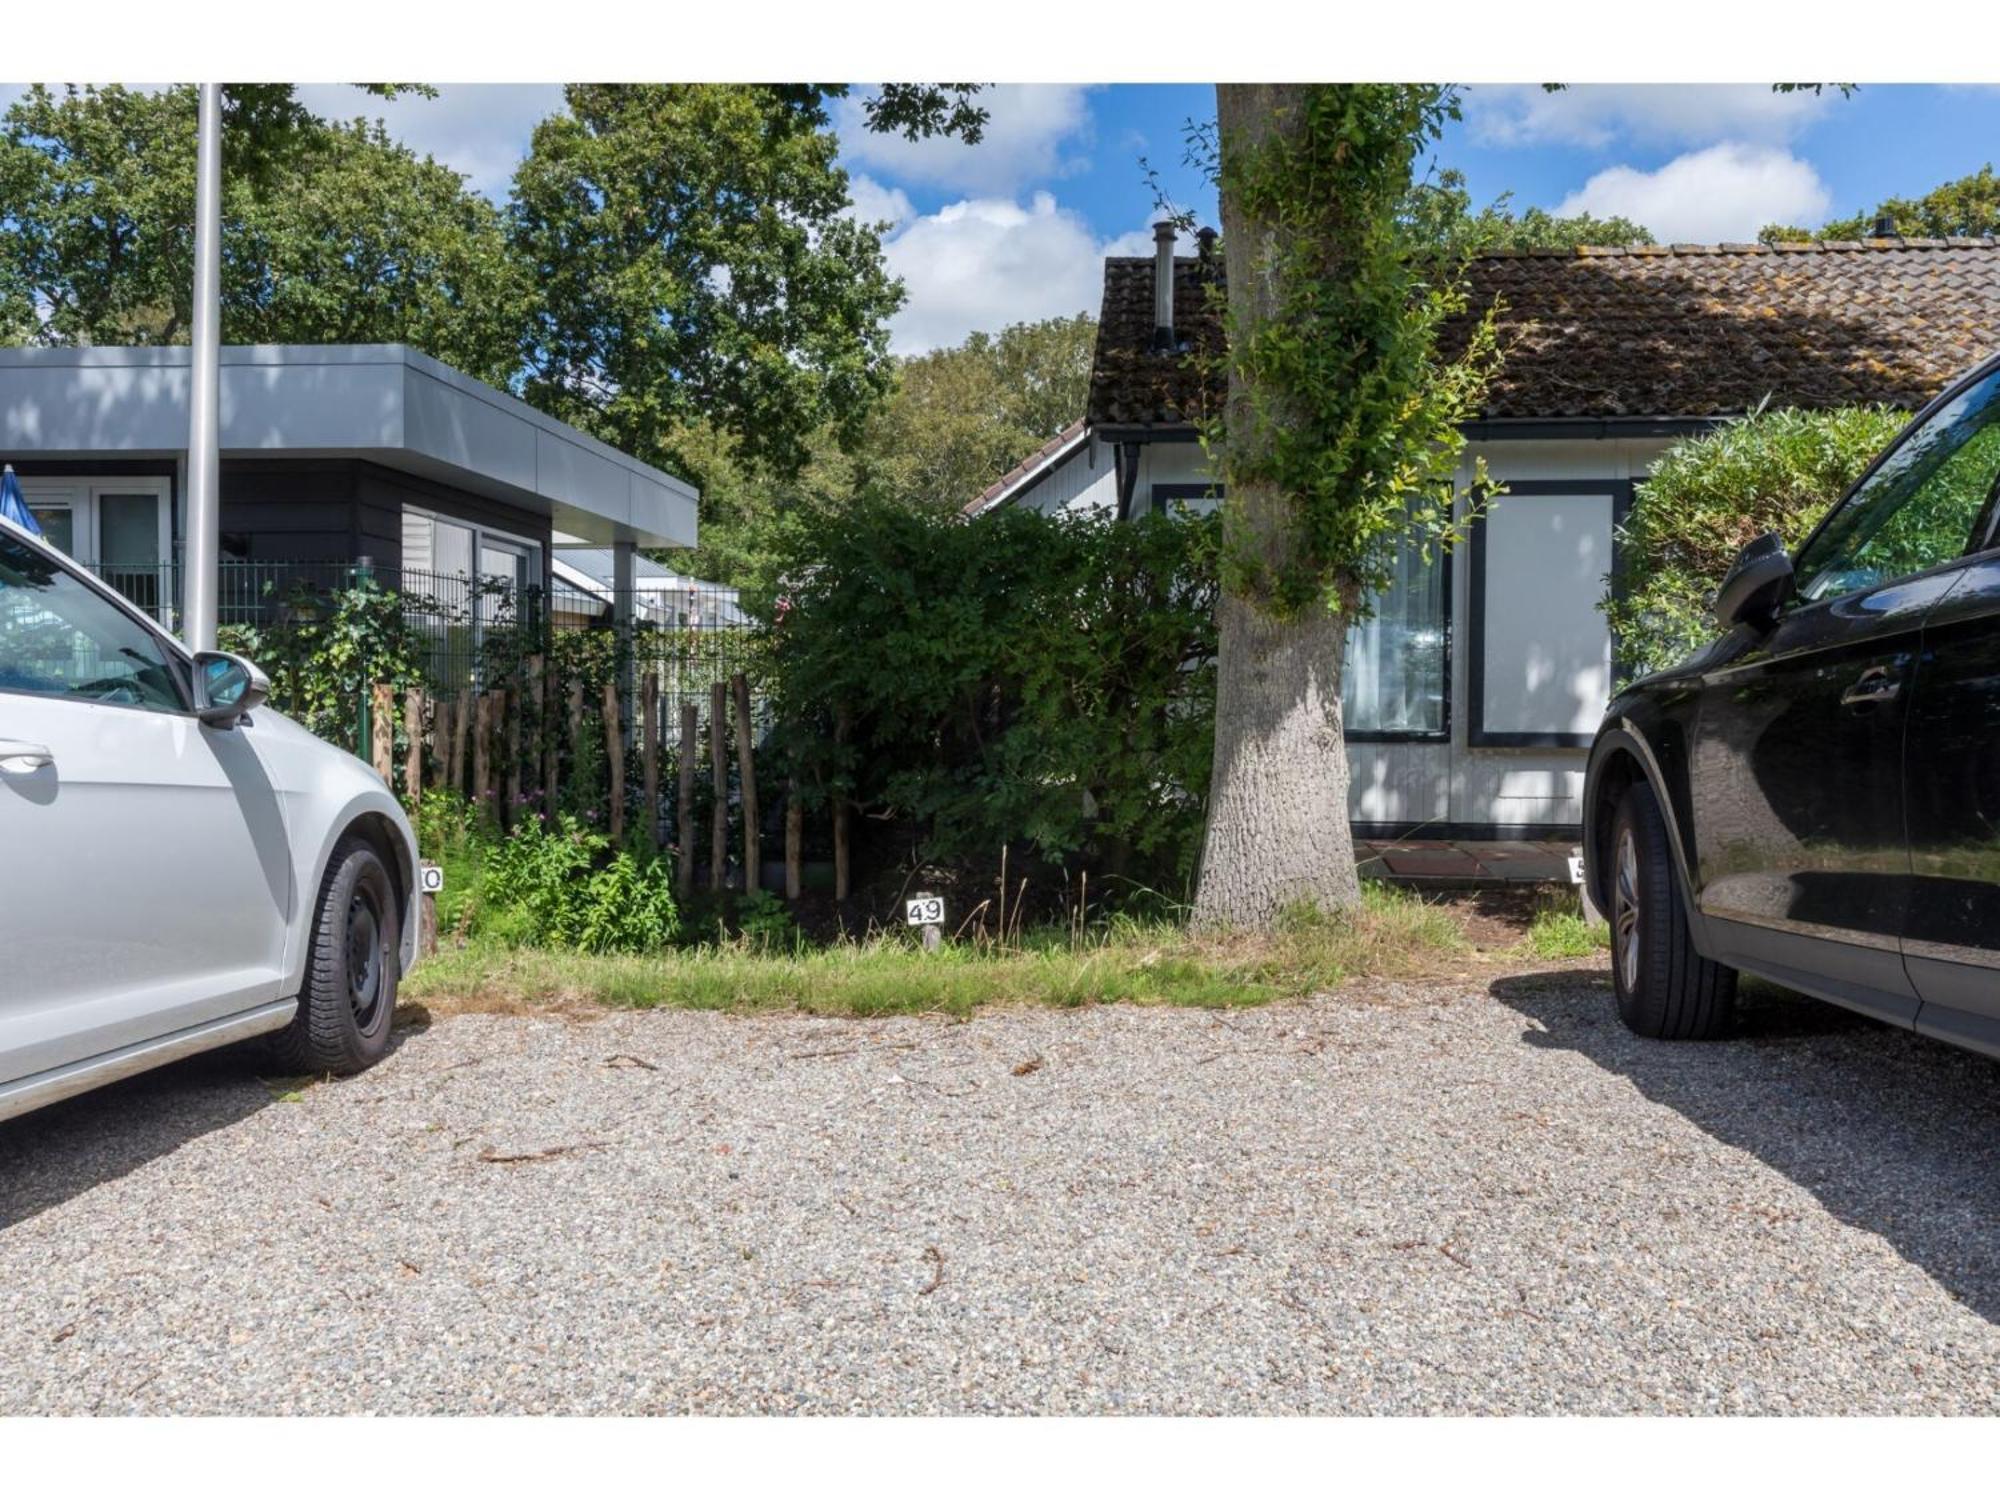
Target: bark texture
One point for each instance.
(1277, 808)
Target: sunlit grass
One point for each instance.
(1152, 962)
(1559, 929)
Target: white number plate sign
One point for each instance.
(924, 911)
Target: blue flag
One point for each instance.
(12, 506)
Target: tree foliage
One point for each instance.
(1340, 401)
(1030, 680)
(1706, 496)
(959, 418)
(1968, 205)
(1438, 212)
(331, 233)
(694, 256)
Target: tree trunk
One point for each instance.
(1277, 807)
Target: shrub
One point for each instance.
(563, 886)
(323, 649)
(1025, 679)
(1707, 496)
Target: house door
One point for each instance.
(121, 529)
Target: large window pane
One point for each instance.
(1394, 680)
(128, 553)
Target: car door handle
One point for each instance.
(1876, 685)
(19, 755)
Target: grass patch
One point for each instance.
(1559, 929)
(1396, 934)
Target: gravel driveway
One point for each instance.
(1480, 1196)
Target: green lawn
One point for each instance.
(1153, 963)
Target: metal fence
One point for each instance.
(474, 633)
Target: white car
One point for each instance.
(180, 867)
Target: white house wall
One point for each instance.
(1086, 480)
(1454, 783)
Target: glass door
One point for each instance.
(132, 546)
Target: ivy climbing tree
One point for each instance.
(1340, 434)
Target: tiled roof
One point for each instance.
(1131, 384)
(1650, 331)
(987, 498)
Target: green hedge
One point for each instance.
(1045, 683)
(1707, 496)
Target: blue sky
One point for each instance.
(1017, 226)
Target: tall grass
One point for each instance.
(1145, 962)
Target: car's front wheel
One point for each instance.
(349, 996)
(1665, 988)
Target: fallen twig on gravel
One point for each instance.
(547, 1153)
(627, 1060)
(936, 1257)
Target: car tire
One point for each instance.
(1665, 988)
(349, 997)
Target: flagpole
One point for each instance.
(202, 555)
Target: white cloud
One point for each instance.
(480, 129)
(1033, 134)
(1653, 114)
(986, 262)
(1727, 192)
(983, 263)
(877, 204)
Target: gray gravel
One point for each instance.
(1480, 1196)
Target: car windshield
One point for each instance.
(1919, 508)
(60, 638)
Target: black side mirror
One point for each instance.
(1759, 581)
(226, 688)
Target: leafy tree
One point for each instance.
(331, 233)
(1706, 496)
(1340, 434)
(1439, 212)
(1968, 205)
(960, 418)
(697, 258)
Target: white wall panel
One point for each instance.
(1543, 647)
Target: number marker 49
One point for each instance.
(924, 911)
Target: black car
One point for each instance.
(1815, 796)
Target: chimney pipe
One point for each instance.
(1163, 285)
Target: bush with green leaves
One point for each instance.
(562, 885)
(1026, 680)
(1772, 471)
(324, 648)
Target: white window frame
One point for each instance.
(535, 550)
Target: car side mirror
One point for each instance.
(1758, 583)
(226, 687)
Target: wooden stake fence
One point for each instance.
(614, 760)
(746, 773)
(413, 747)
(649, 751)
(718, 766)
(690, 747)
